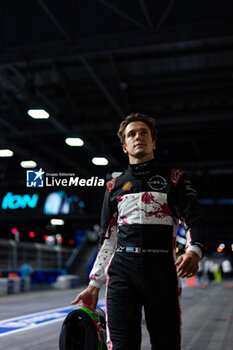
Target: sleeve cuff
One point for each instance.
(95, 283)
(195, 249)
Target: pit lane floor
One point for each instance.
(207, 318)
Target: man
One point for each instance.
(139, 220)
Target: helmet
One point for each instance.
(83, 329)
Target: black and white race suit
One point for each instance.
(140, 216)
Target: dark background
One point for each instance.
(89, 64)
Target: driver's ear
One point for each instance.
(124, 149)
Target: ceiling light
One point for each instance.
(6, 153)
(99, 161)
(74, 141)
(38, 114)
(28, 164)
(57, 222)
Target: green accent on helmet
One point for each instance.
(93, 315)
(101, 333)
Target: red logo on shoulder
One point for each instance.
(176, 175)
(111, 184)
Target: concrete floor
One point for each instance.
(207, 318)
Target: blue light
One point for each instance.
(181, 231)
(207, 201)
(16, 201)
(81, 204)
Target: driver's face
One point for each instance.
(138, 142)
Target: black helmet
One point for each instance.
(83, 329)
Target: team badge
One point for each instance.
(176, 175)
(127, 186)
(111, 184)
(157, 183)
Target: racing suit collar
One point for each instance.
(141, 168)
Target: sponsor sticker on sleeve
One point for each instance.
(111, 184)
(176, 175)
(189, 188)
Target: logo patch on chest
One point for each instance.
(127, 186)
(157, 183)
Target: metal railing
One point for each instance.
(13, 254)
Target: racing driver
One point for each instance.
(137, 256)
